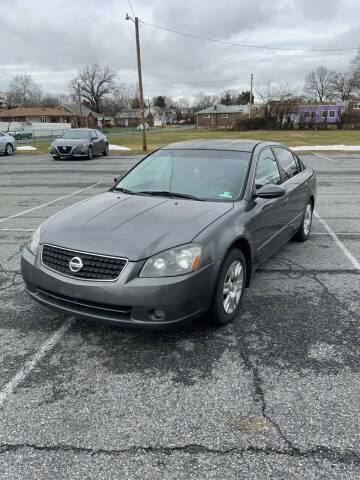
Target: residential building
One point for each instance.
(223, 116)
(132, 118)
(319, 113)
(85, 118)
(36, 114)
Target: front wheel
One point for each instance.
(304, 231)
(90, 153)
(106, 151)
(9, 149)
(229, 288)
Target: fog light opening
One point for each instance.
(157, 315)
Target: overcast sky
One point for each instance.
(52, 39)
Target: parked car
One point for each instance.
(7, 143)
(178, 236)
(182, 122)
(140, 127)
(79, 142)
(20, 133)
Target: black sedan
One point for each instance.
(177, 237)
(79, 142)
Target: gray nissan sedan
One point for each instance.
(79, 143)
(177, 237)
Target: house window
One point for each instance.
(206, 115)
(331, 113)
(43, 119)
(224, 115)
(325, 113)
(357, 106)
(307, 114)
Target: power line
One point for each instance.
(233, 44)
(228, 80)
(131, 8)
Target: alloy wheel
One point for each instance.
(307, 219)
(233, 286)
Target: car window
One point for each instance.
(287, 162)
(210, 174)
(267, 170)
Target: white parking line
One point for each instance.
(20, 214)
(327, 158)
(17, 229)
(328, 233)
(32, 362)
(338, 242)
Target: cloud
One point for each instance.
(53, 40)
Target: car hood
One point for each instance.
(130, 226)
(70, 142)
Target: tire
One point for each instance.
(9, 149)
(90, 154)
(55, 157)
(224, 307)
(106, 151)
(304, 231)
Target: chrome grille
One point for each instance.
(63, 149)
(95, 267)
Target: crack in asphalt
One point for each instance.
(348, 457)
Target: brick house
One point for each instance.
(88, 119)
(352, 112)
(132, 118)
(223, 116)
(36, 114)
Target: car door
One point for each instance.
(102, 144)
(268, 214)
(294, 183)
(96, 142)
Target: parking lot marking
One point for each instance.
(20, 214)
(326, 158)
(338, 242)
(327, 233)
(32, 362)
(17, 229)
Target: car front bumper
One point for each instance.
(129, 301)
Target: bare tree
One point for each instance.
(23, 91)
(319, 84)
(343, 85)
(203, 101)
(96, 83)
(282, 92)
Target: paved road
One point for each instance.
(275, 395)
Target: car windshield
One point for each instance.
(203, 174)
(77, 134)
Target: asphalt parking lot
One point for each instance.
(275, 395)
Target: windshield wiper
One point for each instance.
(165, 193)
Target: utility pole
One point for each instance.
(251, 94)
(141, 95)
(80, 103)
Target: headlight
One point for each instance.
(176, 261)
(33, 243)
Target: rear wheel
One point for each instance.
(9, 149)
(90, 153)
(229, 288)
(304, 231)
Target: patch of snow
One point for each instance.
(326, 147)
(26, 147)
(118, 147)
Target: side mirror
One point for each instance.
(270, 191)
(117, 178)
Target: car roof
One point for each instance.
(239, 145)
